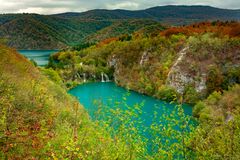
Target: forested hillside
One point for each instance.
(171, 14)
(155, 64)
(123, 29)
(33, 31)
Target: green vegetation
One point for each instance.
(217, 136)
(174, 15)
(145, 63)
(39, 120)
(125, 27)
(210, 67)
(33, 31)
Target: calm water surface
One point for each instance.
(109, 93)
(41, 57)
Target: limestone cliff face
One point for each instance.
(116, 62)
(179, 78)
(113, 62)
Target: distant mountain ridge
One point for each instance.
(159, 13)
(34, 31)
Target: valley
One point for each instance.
(157, 83)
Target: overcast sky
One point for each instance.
(59, 6)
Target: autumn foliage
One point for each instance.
(107, 41)
(231, 29)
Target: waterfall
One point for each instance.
(102, 77)
(106, 77)
(84, 77)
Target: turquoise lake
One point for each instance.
(109, 93)
(41, 57)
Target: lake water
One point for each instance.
(41, 57)
(89, 92)
(109, 93)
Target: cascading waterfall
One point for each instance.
(84, 77)
(102, 77)
(106, 77)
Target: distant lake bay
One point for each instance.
(41, 57)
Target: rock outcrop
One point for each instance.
(179, 78)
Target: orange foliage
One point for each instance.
(107, 41)
(235, 30)
(232, 29)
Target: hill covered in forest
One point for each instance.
(33, 31)
(168, 14)
(153, 61)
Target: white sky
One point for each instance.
(59, 6)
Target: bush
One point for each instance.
(52, 75)
(198, 108)
(214, 79)
(167, 93)
(34, 62)
(191, 95)
(71, 84)
(214, 98)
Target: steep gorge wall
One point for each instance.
(210, 65)
(178, 78)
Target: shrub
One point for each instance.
(214, 79)
(167, 93)
(34, 62)
(198, 108)
(191, 95)
(52, 75)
